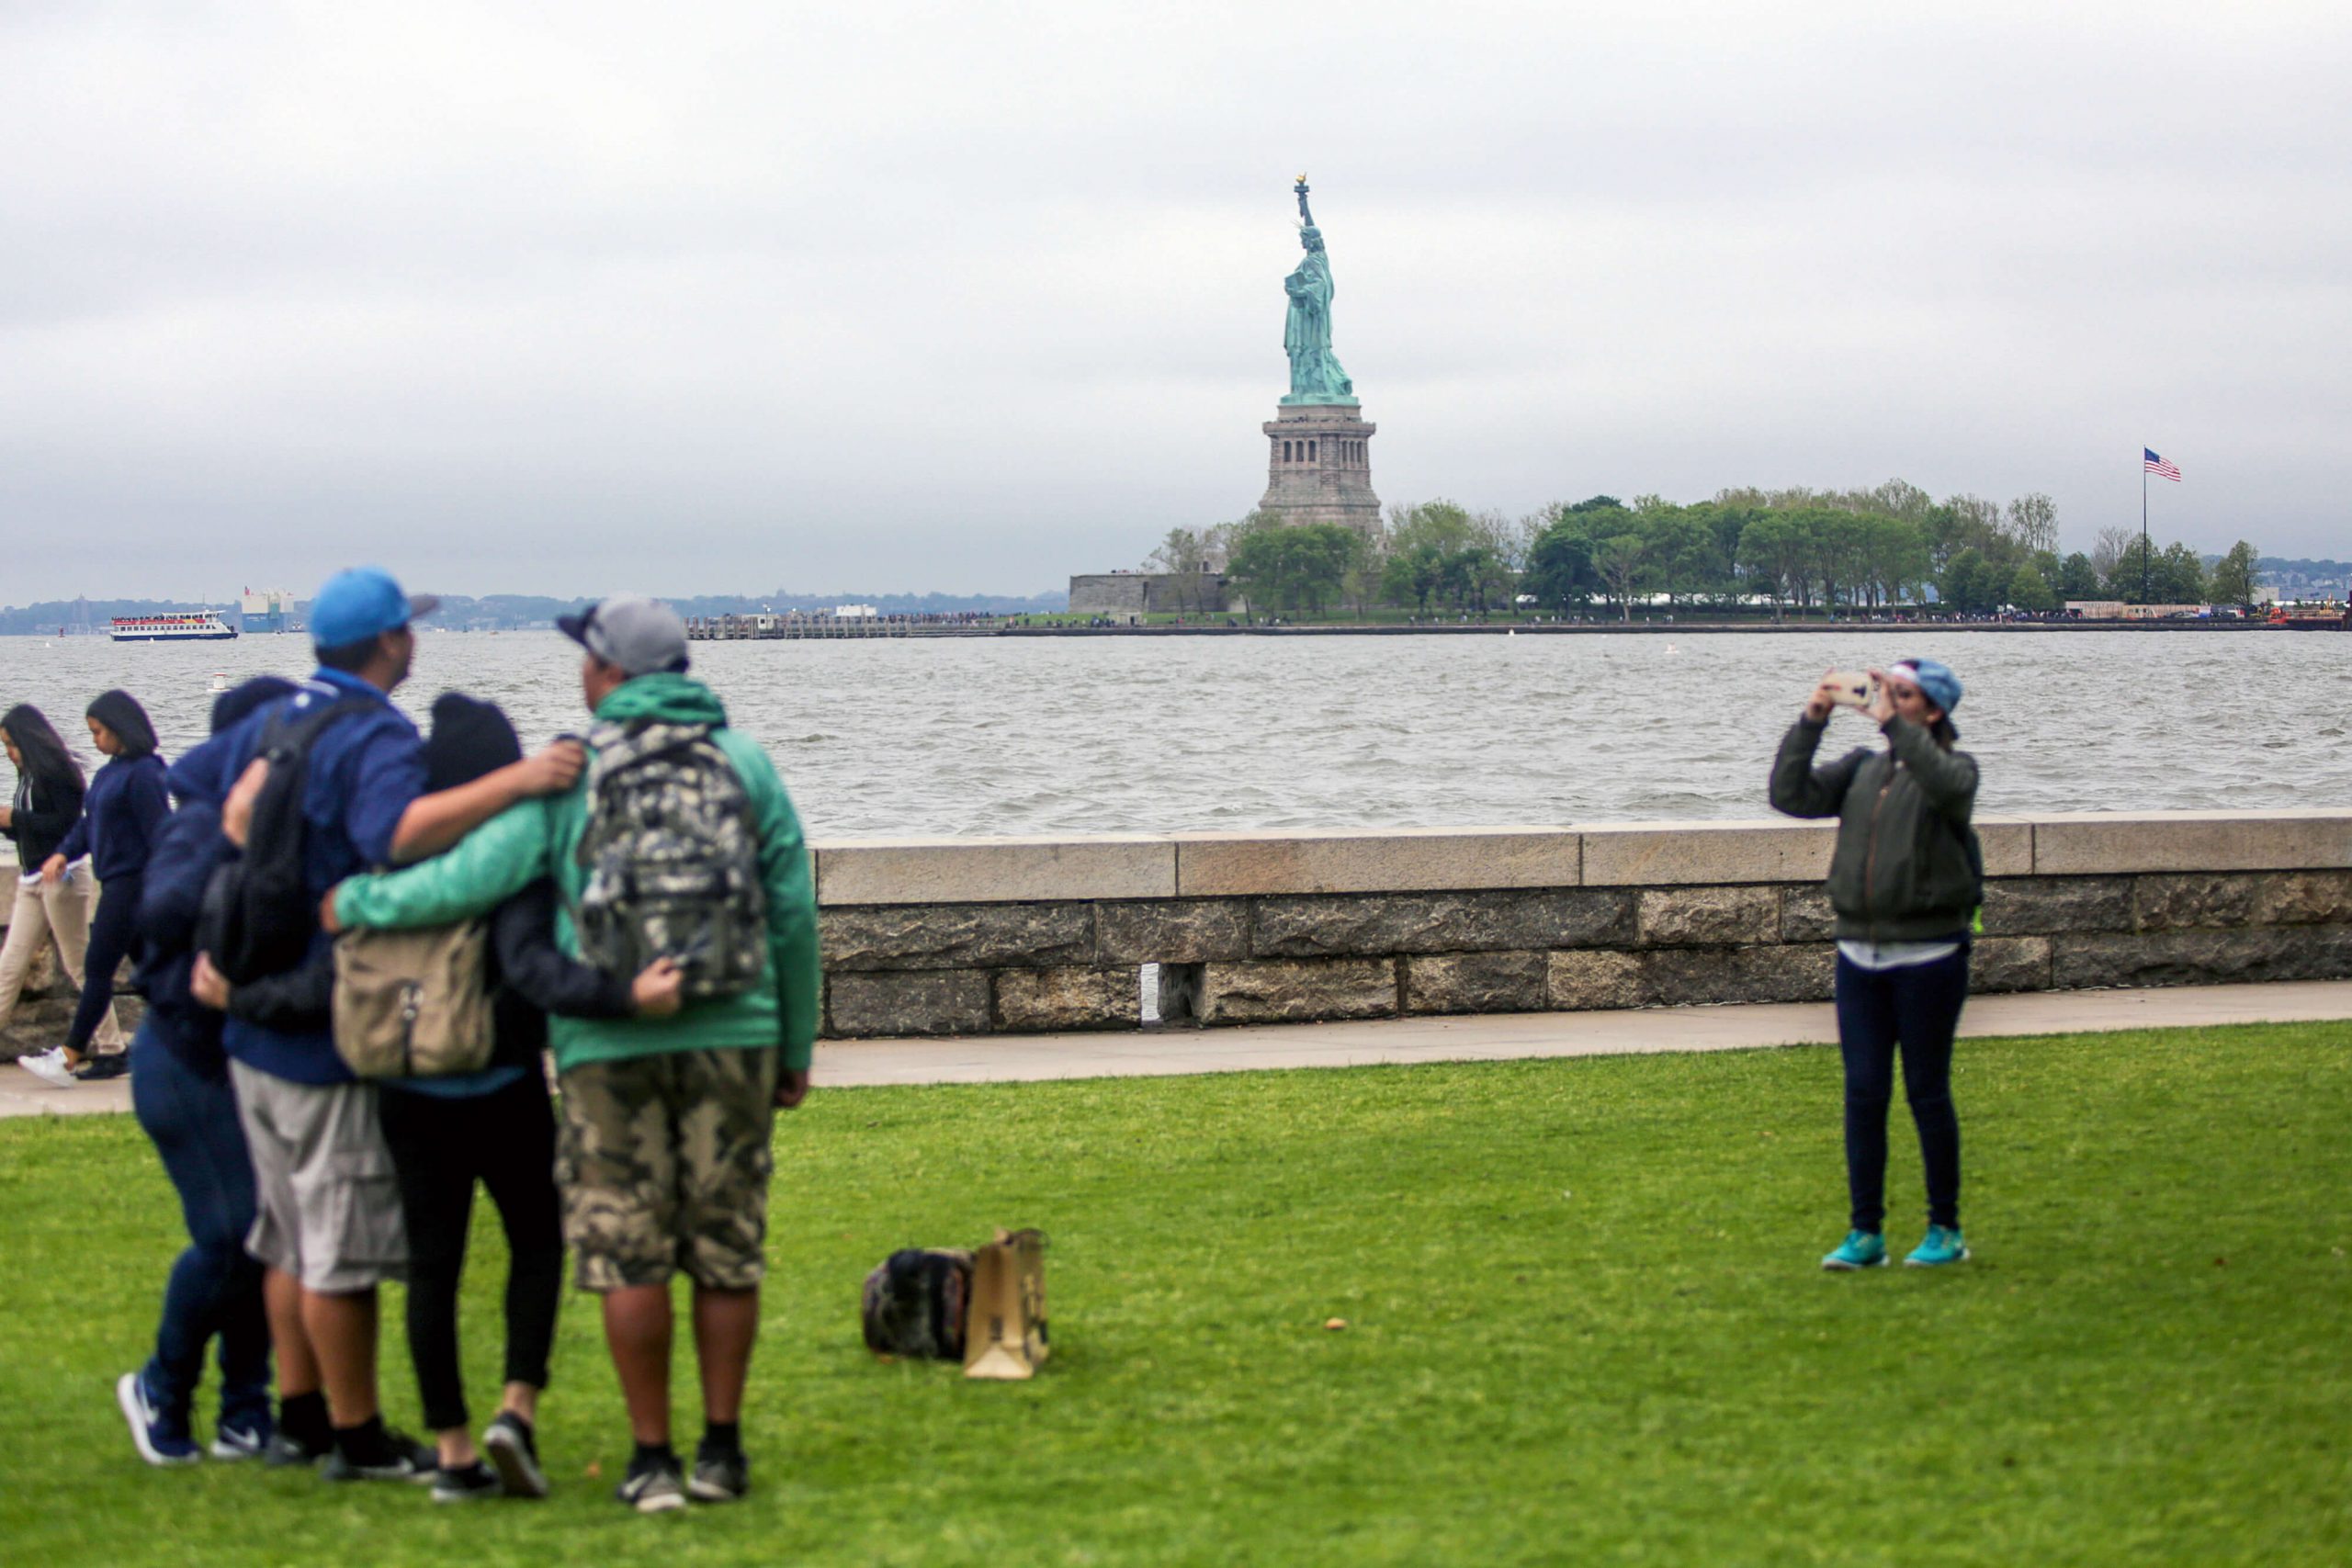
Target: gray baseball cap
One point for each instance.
(638, 635)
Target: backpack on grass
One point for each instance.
(673, 858)
(915, 1302)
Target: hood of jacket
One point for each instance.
(664, 698)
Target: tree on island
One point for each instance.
(1859, 552)
(1623, 562)
(2077, 579)
(2030, 592)
(2233, 578)
(1296, 570)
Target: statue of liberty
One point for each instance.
(1314, 374)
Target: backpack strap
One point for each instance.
(294, 734)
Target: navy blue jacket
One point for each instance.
(186, 851)
(365, 771)
(123, 811)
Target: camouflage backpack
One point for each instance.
(913, 1304)
(673, 858)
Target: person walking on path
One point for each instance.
(126, 806)
(664, 1154)
(1905, 881)
(180, 1093)
(328, 1229)
(495, 1127)
(46, 806)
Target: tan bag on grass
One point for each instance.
(414, 1004)
(1004, 1324)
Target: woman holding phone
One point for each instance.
(1904, 881)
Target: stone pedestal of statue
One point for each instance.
(1319, 465)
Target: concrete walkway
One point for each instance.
(1027, 1058)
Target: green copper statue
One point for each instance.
(1314, 374)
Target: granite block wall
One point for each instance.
(1254, 928)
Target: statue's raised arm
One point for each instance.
(1304, 216)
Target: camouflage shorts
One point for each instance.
(663, 1162)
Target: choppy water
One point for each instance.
(1039, 736)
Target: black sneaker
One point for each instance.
(466, 1484)
(653, 1486)
(402, 1458)
(721, 1475)
(97, 1069)
(285, 1451)
(515, 1454)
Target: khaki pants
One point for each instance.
(59, 917)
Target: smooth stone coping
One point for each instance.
(1613, 854)
(2304, 838)
(1413, 860)
(995, 870)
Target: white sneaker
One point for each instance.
(49, 1066)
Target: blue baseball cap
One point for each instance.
(354, 605)
(1936, 683)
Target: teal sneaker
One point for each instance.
(1860, 1249)
(1943, 1246)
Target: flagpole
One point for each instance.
(2143, 526)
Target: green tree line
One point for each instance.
(1802, 551)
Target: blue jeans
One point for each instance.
(214, 1291)
(1914, 1009)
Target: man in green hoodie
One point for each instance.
(664, 1156)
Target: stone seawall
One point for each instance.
(981, 936)
(978, 936)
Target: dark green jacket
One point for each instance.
(1902, 871)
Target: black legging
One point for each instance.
(1915, 1008)
(113, 930)
(441, 1146)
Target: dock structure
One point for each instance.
(790, 625)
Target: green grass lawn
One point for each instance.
(1584, 1325)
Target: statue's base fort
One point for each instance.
(1319, 466)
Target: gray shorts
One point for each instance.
(329, 1208)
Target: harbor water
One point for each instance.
(1040, 736)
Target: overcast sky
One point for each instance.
(722, 298)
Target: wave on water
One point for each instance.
(1158, 735)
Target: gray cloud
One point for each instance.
(928, 296)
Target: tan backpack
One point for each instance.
(414, 1004)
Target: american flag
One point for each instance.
(2161, 468)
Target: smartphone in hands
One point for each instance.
(1849, 688)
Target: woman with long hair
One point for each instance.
(1904, 881)
(121, 815)
(45, 806)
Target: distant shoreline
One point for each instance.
(1647, 629)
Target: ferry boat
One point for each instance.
(200, 626)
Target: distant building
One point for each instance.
(271, 610)
(1149, 594)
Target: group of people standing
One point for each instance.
(304, 1186)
